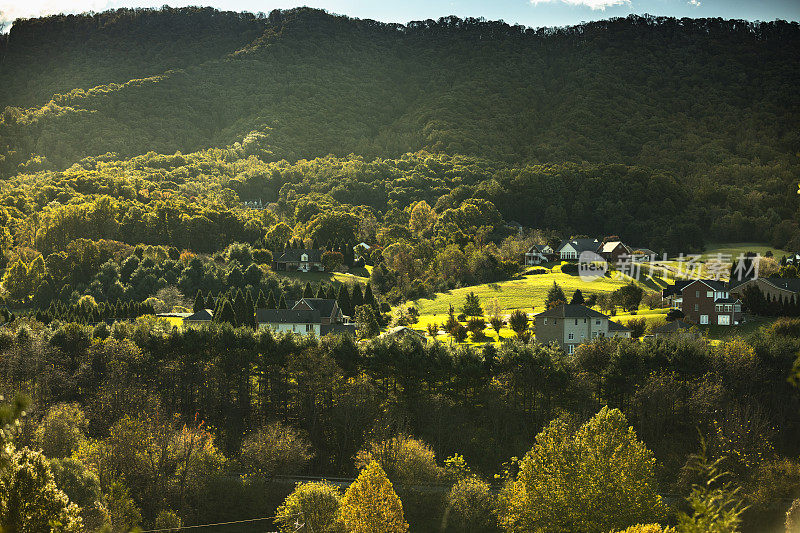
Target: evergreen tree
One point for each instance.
(261, 302)
(226, 313)
(249, 311)
(577, 298)
(321, 291)
(271, 303)
(308, 292)
(357, 298)
(343, 299)
(555, 296)
(331, 294)
(210, 302)
(199, 302)
(282, 302)
(369, 297)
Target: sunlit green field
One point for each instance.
(735, 248)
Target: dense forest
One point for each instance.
(702, 111)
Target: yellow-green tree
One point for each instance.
(595, 479)
(370, 504)
(311, 508)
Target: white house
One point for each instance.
(538, 254)
(571, 249)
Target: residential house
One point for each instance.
(571, 249)
(706, 301)
(203, 316)
(611, 251)
(538, 254)
(571, 325)
(401, 332)
(319, 316)
(776, 289)
(671, 294)
(299, 259)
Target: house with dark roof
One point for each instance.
(571, 249)
(538, 254)
(299, 259)
(707, 301)
(319, 316)
(571, 325)
(203, 316)
(672, 293)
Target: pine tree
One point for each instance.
(226, 313)
(357, 298)
(210, 302)
(199, 302)
(261, 302)
(331, 294)
(282, 302)
(271, 303)
(555, 296)
(369, 297)
(577, 298)
(370, 504)
(343, 300)
(308, 292)
(249, 311)
(321, 291)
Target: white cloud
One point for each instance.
(695, 3)
(593, 4)
(13, 9)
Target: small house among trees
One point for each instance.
(300, 259)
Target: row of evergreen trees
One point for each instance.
(762, 304)
(83, 313)
(239, 308)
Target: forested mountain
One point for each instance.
(707, 107)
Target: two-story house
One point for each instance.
(707, 301)
(538, 254)
(611, 251)
(572, 325)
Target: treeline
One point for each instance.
(485, 404)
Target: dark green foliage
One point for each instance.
(472, 305)
(628, 297)
(308, 291)
(271, 303)
(199, 302)
(226, 313)
(343, 299)
(577, 298)
(518, 322)
(282, 302)
(555, 296)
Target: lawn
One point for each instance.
(356, 275)
(527, 293)
(735, 248)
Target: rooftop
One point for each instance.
(571, 311)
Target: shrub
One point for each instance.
(314, 505)
(470, 503)
(406, 460)
(275, 449)
(371, 504)
(61, 430)
(637, 325)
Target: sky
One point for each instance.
(532, 13)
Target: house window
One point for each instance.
(576, 321)
(555, 321)
(696, 307)
(710, 294)
(545, 321)
(571, 336)
(594, 334)
(704, 319)
(737, 308)
(597, 322)
(728, 308)
(570, 348)
(718, 308)
(724, 320)
(697, 294)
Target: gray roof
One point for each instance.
(714, 284)
(537, 248)
(726, 300)
(203, 315)
(616, 326)
(787, 284)
(580, 245)
(571, 311)
(287, 316)
(292, 255)
(323, 305)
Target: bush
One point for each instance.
(637, 325)
(275, 449)
(314, 505)
(404, 459)
(470, 503)
(675, 314)
(61, 430)
(169, 521)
